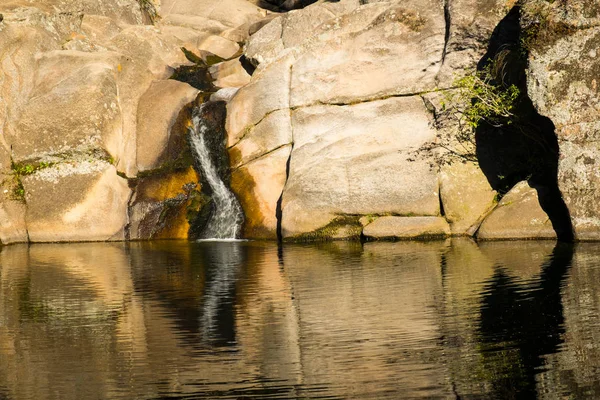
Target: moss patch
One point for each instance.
(345, 227)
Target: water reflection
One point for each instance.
(335, 320)
(520, 323)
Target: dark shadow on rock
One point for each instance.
(287, 5)
(524, 147)
(520, 324)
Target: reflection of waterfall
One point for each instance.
(227, 217)
(217, 319)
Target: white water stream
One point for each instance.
(227, 218)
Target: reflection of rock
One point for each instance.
(345, 328)
(340, 319)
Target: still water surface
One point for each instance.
(246, 320)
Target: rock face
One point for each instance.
(350, 94)
(86, 104)
(69, 202)
(328, 109)
(564, 75)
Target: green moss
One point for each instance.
(18, 171)
(329, 231)
(196, 202)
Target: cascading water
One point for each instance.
(227, 217)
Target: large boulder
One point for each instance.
(346, 161)
(517, 216)
(215, 15)
(466, 196)
(76, 201)
(158, 111)
(73, 107)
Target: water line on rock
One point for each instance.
(227, 217)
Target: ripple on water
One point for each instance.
(232, 320)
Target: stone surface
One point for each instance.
(268, 91)
(258, 186)
(160, 204)
(274, 131)
(84, 201)
(228, 13)
(466, 196)
(407, 228)
(158, 110)
(357, 160)
(229, 74)
(225, 94)
(73, 106)
(470, 28)
(84, 84)
(13, 227)
(563, 80)
(517, 216)
(364, 65)
(219, 46)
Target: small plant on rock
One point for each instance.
(476, 98)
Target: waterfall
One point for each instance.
(227, 217)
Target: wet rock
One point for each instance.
(407, 228)
(258, 185)
(163, 205)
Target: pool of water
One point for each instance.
(250, 320)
